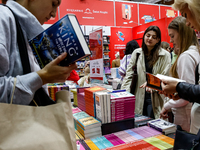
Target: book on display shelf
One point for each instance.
(63, 36)
(162, 126)
(154, 81)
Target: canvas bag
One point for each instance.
(135, 76)
(38, 128)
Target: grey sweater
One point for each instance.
(10, 62)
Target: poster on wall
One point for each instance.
(126, 14)
(167, 11)
(90, 12)
(120, 37)
(96, 59)
(148, 13)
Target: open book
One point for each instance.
(154, 81)
(63, 36)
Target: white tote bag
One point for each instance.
(38, 128)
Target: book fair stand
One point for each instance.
(104, 117)
(108, 26)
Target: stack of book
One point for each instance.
(53, 88)
(81, 98)
(102, 106)
(89, 127)
(79, 115)
(141, 120)
(162, 126)
(122, 106)
(89, 99)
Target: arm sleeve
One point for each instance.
(26, 84)
(122, 67)
(129, 73)
(188, 91)
(186, 66)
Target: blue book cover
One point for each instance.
(63, 36)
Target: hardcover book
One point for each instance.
(154, 81)
(63, 36)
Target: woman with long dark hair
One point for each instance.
(153, 59)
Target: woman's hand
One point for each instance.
(147, 88)
(169, 86)
(164, 113)
(53, 73)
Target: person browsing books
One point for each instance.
(183, 38)
(130, 47)
(190, 9)
(31, 15)
(153, 59)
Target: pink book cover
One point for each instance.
(114, 139)
(75, 110)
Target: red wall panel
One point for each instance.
(148, 13)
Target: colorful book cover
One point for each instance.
(158, 143)
(88, 122)
(99, 103)
(63, 36)
(162, 126)
(91, 144)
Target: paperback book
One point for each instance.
(154, 81)
(63, 36)
(162, 126)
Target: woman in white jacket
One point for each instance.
(184, 39)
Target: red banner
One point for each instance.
(89, 12)
(118, 40)
(126, 14)
(95, 40)
(96, 59)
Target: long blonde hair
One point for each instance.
(193, 5)
(187, 37)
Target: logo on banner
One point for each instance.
(120, 35)
(126, 11)
(170, 13)
(88, 11)
(148, 18)
(98, 38)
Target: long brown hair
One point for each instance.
(187, 37)
(155, 51)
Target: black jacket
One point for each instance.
(189, 92)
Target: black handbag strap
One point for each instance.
(197, 74)
(135, 66)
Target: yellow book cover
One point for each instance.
(91, 144)
(166, 139)
(88, 122)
